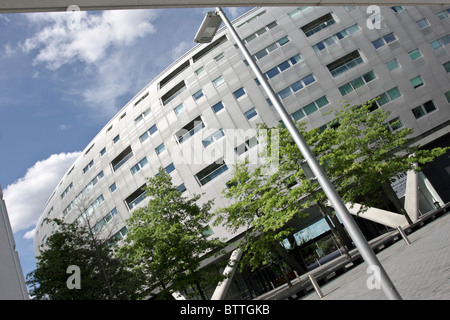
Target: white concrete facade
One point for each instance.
(212, 85)
(12, 281)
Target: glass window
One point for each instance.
(217, 107)
(295, 59)
(103, 151)
(218, 81)
(391, 65)
(394, 93)
(239, 93)
(447, 66)
(284, 65)
(429, 106)
(198, 95)
(346, 88)
(395, 123)
(160, 148)
(416, 81)
(323, 101)
(418, 112)
(358, 82)
(199, 70)
(422, 23)
(260, 54)
(436, 44)
(397, 9)
(297, 115)
(116, 139)
(297, 86)
(308, 79)
(272, 72)
(378, 43)
(178, 109)
(219, 57)
(389, 37)
(369, 76)
(283, 41)
(310, 108)
(353, 29)
(170, 168)
(251, 113)
(285, 93)
(112, 187)
(447, 95)
(383, 99)
(414, 54)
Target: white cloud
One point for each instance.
(25, 199)
(58, 44)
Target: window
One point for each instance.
(271, 48)
(103, 221)
(169, 169)
(283, 94)
(209, 48)
(345, 63)
(148, 133)
(384, 40)
(391, 65)
(159, 149)
(181, 188)
(282, 66)
(424, 109)
(443, 14)
(189, 130)
(297, 115)
(260, 32)
(335, 38)
(395, 124)
(136, 197)
(211, 172)
(142, 115)
(441, 42)
(239, 93)
(212, 138)
(318, 24)
(219, 57)
(198, 94)
(299, 12)
(423, 23)
(112, 187)
(173, 93)
(88, 166)
(397, 9)
(250, 113)
(357, 82)
(178, 109)
(415, 54)
(174, 73)
(447, 66)
(122, 158)
(417, 82)
(141, 98)
(66, 191)
(247, 145)
(102, 152)
(388, 96)
(138, 166)
(218, 81)
(217, 107)
(310, 108)
(116, 139)
(447, 96)
(199, 70)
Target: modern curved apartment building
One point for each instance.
(206, 105)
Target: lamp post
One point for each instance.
(206, 33)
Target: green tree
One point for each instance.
(165, 242)
(359, 153)
(102, 276)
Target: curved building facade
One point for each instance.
(205, 106)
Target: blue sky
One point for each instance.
(61, 83)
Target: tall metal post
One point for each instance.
(341, 210)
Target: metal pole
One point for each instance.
(341, 210)
(316, 286)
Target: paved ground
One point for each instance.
(420, 270)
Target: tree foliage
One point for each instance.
(102, 276)
(165, 242)
(359, 152)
